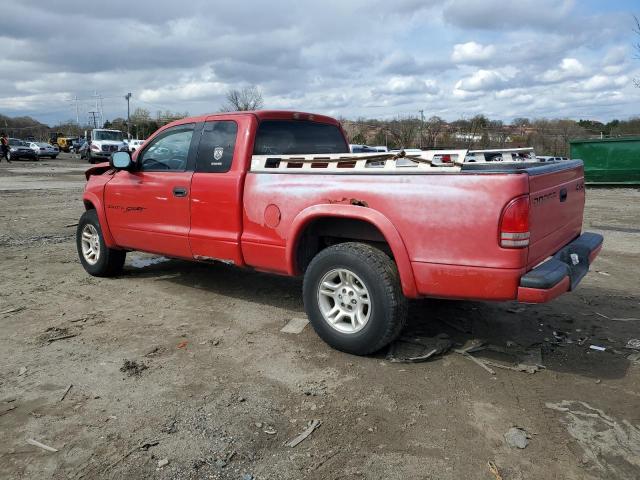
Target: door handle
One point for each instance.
(179, 192)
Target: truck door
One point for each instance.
(148, 209)
(216, 193)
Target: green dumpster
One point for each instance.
(609, 160)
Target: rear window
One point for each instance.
(292, 137)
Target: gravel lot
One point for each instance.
(212, 385)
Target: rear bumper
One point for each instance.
(561, 273)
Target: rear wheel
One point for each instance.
(353, 298)
(96, 258)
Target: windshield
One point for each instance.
(107, 135)
(15, 142)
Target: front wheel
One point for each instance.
(96, 258)
(353, 298)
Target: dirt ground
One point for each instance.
(224, 388)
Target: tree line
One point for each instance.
(546, 136)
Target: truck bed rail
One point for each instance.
(431, 161)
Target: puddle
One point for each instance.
(610, 447)
(142, 262)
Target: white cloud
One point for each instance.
(408, 85)
(569, 68)
(603, 82)
(472, 52)
(483, 80)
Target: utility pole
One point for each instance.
(77, 111)
(128, 98)
(94, 118)
(421, 126)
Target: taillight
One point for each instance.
(514, 224)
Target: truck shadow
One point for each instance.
(563, 330)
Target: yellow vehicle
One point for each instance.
(65, 143)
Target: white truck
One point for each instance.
(103, 143)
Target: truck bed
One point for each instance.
(447, 217)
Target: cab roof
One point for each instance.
(261, 115)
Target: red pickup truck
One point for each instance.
(279, 192)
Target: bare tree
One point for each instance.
(431, 131)
(247, 98)
(404, 131)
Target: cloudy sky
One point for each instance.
(352, 58)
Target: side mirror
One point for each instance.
(121, 161)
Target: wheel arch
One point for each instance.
(92, 202)
(372, 221)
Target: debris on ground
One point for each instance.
(132, 367)
(22, 371)
(527, 360)
(633, 344)
(171, 426)
(634, 357)
(295, 325)
(415, 348)
(64, 395)
(248, 476)
(517, 437)
(7, 410)
(479, 362)
(183, 344)
(162, 463)
(597, 347)
(270, 430)
(12, 310)
(36, 443)
(493, 468)
(54, 334)
(154, 351)
(311, 426)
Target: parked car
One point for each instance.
(77, 144)
(43, 149)
(134, 144)
(354, 148)
(19, 149)
(280, 192)
(83, 149)
(544, 158)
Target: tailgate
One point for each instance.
(556, 196)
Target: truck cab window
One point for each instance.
(215, 152)
(291, 137)
(168, 152)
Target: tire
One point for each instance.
(53, 157)
(380, 320)
(103, 261)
